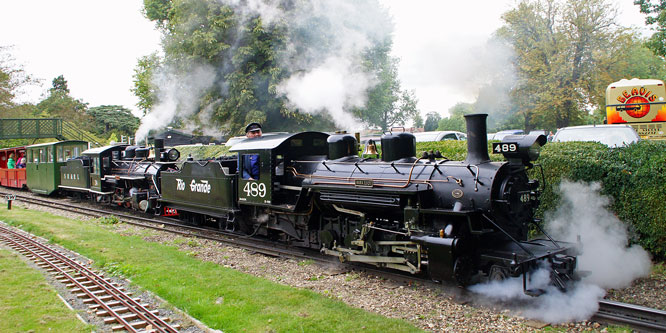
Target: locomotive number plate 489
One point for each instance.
(504, 147)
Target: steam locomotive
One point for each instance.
(427, 214)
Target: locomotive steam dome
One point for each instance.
(396, 146)
(341, 145)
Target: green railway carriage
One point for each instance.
(44, 162)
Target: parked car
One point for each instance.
(501, 134)
(439, 136)
(610, 135)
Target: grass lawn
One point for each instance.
(29, 303)
(220, 297)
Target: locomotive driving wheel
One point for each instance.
(462, 270)
(498, 273)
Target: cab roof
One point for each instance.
(54, 143)
(273, 141)
(100, 150)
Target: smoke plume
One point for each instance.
(178, 95)
(605, 255)
(324, 49)
(604, 237)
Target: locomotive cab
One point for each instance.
(101, 166)
(277, 157)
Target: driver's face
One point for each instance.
(253, 134)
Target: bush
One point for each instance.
(634, 177)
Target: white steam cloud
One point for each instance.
(605, 255)
(332, 87)
(326, 41)
(604, 237)
(178, 95)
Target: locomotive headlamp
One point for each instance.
(520, 148)
(173, 154)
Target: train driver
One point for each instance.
(251, 161)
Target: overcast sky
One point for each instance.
(95, 45)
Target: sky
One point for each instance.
(95, 45)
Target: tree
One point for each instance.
(432, 121)
(558, 46)
(113, 119)
(417, 120)
(387, 104)
(60, 104)
(656, 15)
(249, 57)
(12, 79)
(144, 87)
(456, 119)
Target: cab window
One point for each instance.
(251, 166)
(42, 155)
(50, 152)
(94, 168)
(59, 156)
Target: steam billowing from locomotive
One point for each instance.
(328, 79)
(605, 256)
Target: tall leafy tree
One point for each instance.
(113, 119)
(250, 58)
(432, 121)
(656, 15)
(558, 45)
(456, 119)
(144, 87)
(60, 104)
(417, 120)
(387, 104)
(12, 79)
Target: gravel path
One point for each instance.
(430, 307)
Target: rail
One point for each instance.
(638, 317)
(89, 285)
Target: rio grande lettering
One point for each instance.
(202, 187)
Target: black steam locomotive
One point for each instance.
(451, 219)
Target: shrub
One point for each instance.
(634, 177)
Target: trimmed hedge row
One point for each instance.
(634, 176)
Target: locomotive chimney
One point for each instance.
(159, 147)
(477, 138)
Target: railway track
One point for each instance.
(105, 297)
(176, 227)
(637, 317)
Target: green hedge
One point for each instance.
(634, 177)
(200, 152)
